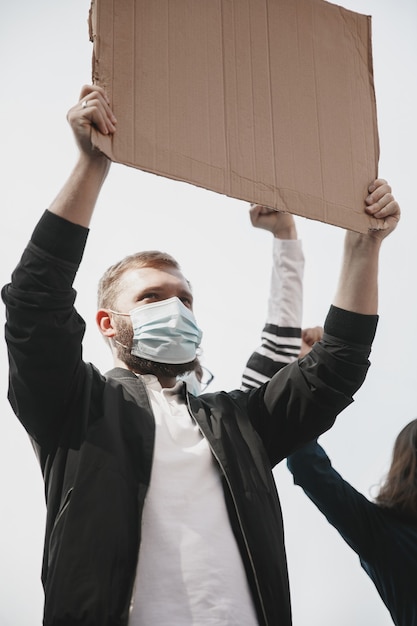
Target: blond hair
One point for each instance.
(110, 283)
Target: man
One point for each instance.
(162, 507)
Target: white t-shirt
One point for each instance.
(190, 572)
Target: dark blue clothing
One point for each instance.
(386, 545)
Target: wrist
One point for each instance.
(358, 284)
(362, 244)
(289, 232)
(94, 163)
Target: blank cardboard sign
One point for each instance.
(268, 101)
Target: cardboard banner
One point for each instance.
(268, 101)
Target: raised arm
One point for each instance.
(43, 330)
(281, 335)
(76, 200)
(344, 507)
(358, 284)
(336, 366)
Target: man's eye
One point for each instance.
(149, 296)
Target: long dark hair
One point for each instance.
(399, 490)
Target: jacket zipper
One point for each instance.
(63, 509)
(60, 514)
(236, 509)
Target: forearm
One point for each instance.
(303, 399)
(344, 507)
(77, 199)
(313, 472)
(358, 283)
(43, 330)
(286, 230)
(281, 335)
(285, 302)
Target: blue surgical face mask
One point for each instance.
(165, 332)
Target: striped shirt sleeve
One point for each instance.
(281, 335)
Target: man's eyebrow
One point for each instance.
(187, 292)
(161, 288)
(151, 288)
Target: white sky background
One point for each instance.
(45, 57)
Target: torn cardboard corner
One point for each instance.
(268, 101)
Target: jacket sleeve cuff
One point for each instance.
(60, 238)
(351, 327)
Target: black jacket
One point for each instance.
(94, 437)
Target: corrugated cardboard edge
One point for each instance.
(101, 142)
(359, 222)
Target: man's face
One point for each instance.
(140, 287)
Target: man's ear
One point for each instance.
(105, 323)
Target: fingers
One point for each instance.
(257, 210)
(99, 114)
(311, 335)
(93, 109)
(280, 224)
(260, 208)
(258, 214)
(380, 201)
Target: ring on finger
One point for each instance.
(84, 104)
